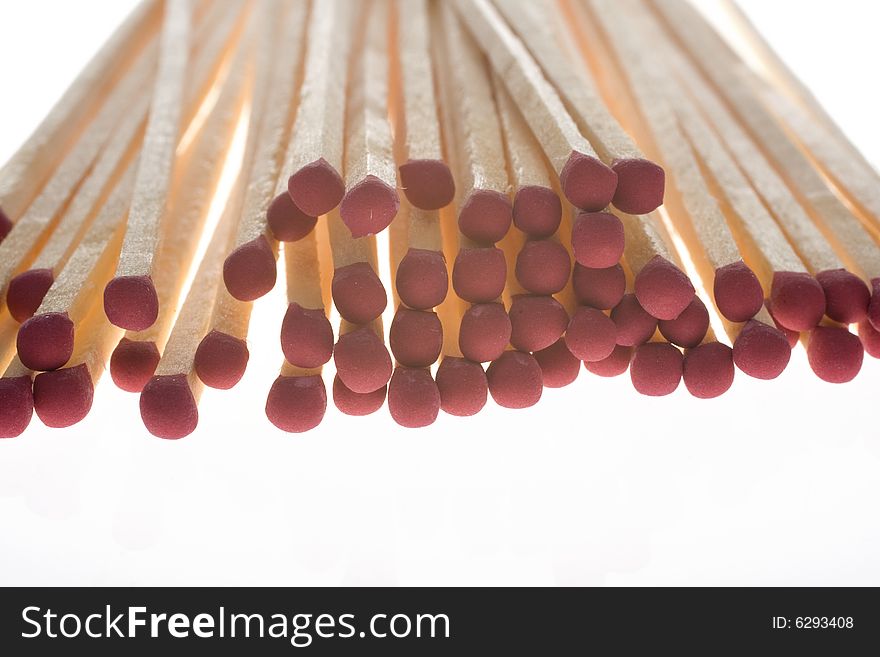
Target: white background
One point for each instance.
(775, 483)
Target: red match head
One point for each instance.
(168, 407)
(306, 336)
(362, 361)
(133, 364)
(286, 221)
(614, 365)
(221, 360)
(761, 351)
(537, 211)
(515, 380)
(479, 274)
(797, 300)
(316, 188)
(689, 328)
(64, 397)
(663, 289)
(846, 296)
(296, 403)
(656, 369)
(422, 280)
(415, 337)
(250, 271)
(640, 185)
(413, 397)
(462, 385)
(591, 335)
(536, 322)
(45, 342)
(599, 288)
(587, 182)
(26, 291)
(738, 292)
(484, 332)
(708, 370)
(131, 302)
(835, 354)
(543, 266)
(16, 405)
(633, 323)
(355, 403)
(559, 367)
(358, 293)
(369, 207)
(428, 184)
(597, 239)
(485, 216)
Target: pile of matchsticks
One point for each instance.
(596, 178)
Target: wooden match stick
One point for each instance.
(8, 328)
(420, 277)
(424, 175)
(16, 399)
(585, 180)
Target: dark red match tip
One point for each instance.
(846, 296)
(133, 364)
(286, 221)
(599, 288)
(297, 403)
(369, 206)
(537, 211)
(761, 351)
(362, 361)
(738, 292)
(591, 335)
(415, 337)
(479, 274)
(614, 365)
(689, 328)
(316, 188)
(413, 397)
(168, 407)
(131, 302)
(428, 184)
(797, 300)
(221, 360)
(634, 324)
(663, 289)
(559, 367)
(422, 280)
(45, 342)
(356, 403)
(463, 386)
(484, 332)
(790, 334)
(515, 380)
(874, 305)
(26, 292)
(835, 354)
(870, 338)
(656, 369)
(358, 293)
(306, 336)
(16, 405)
(597, 239)
(588, 183)
(250, 271)
(640, 185)
(5, 225)
(708, 370)
(63, 397)
(543, 266)
(485, 216)
(536, 322)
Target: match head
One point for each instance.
(221, 360)
(16, 405)
(415, 337)
(369, 206)
(543, 266)
(591, 335)
(26, 291)
(656, 369)
(737, 292)
(316, 188)
(791, 335)
(462, 385)
(131, 302)
(536, 322)
(45, 342)
(484, 332)
(707, 370)
(599, 288)
(587, 182)
(5, 225)
(515, 380)
(798, 300)
(133, 364)
(297, 404)
(874, 305)
(63, 397)
(663, 289)
(835, 354)
(634, 324)
(428, 184)
(413, 397)
(168, 407)
(358, 293)
(597, 239)
(559, 367)
(689, 328)
(362, 361)
(846, 296)
(422, 280)
(761, 351)
(870, 338)
(250, 271)
(479, 274)
(306, 336)
(640, 185)
(537, 211)
(286, 221)
(355, 403)
(614, 365)
(485, 216)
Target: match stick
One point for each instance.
(420, 279)
(640, 182)
(16, 399)
(585, 180)
(8, 327)
(424, 175)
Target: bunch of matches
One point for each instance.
(466, 201)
